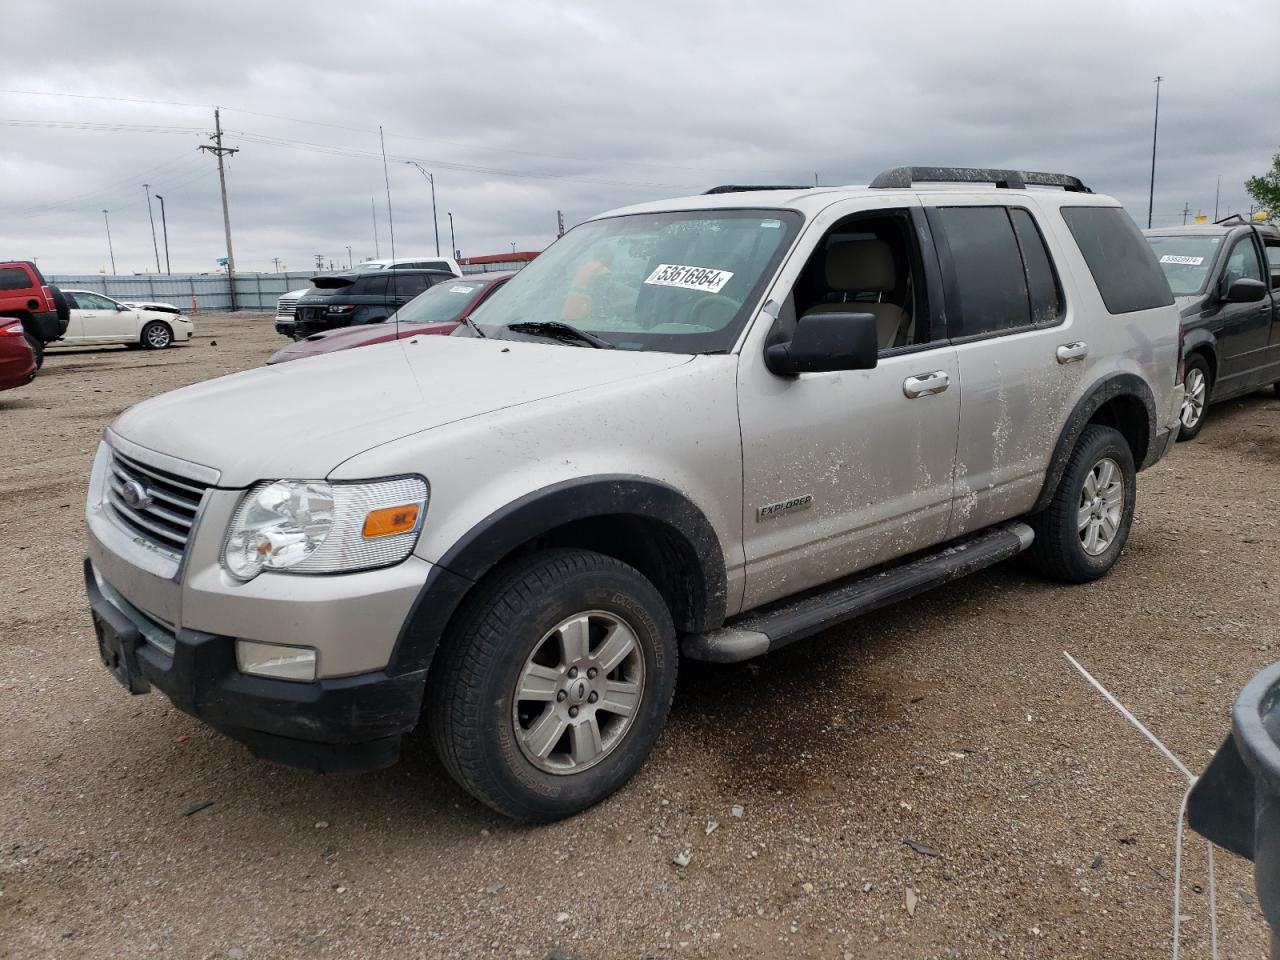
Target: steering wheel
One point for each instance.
(706, 303)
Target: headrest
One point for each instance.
(861, 266)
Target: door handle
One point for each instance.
(926, 384)
(1072, 352)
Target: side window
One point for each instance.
(1242, 262)
(372, 287)
(1273, 262)
(986, 272)
(91, 301)
(867, 263)
(14, 278)
(1119, 258)
(72, 303)
(1043, 288)
(410, 285)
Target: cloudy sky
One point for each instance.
(523, 109)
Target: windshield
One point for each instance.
(440, 304)
(678, 282)
(1185, 261)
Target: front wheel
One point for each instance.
(1080, 534)
(1195, 397)
(553, 684)
(156, 335)
(37, 349)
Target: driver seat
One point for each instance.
(864, 266)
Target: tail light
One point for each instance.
(342, 308)
(48, 299)
(13, 330)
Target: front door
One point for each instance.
(842, 471)
(104, 321)
(1245, 338)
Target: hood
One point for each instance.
(344, 338)
(303, 419)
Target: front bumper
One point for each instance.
(285, 326)
(340, 724)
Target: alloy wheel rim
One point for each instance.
(1194, 390)
(157, 337)
(578, 693)
(1101, 507)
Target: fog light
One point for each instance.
(274, 660)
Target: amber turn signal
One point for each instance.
(391, 520)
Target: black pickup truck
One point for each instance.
(351, 299)
(1225, 278)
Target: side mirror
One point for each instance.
(824, 342)
(1245, 290)
(121, 308)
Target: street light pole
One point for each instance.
(513, 248)
(110, 248)
(434, 219)
(1155, 131)
(146, 188)
(350, 263)
(165, 225)
(453, 243)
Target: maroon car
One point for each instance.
(17, 362)
(438, 310)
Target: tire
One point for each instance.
(1276, 387)
(156, 335)
(37, 348)
(1196, 386)
(515, 628)
(1059, 550)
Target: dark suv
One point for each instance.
(350, 299)
(1225, 279)
(42, 309)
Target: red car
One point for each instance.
(438, 310)
(17, 361)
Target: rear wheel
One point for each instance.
(156, 335)
(553, 683)
(37, 348)
(1195, 397)
(1080, 534)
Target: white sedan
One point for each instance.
(96, 319)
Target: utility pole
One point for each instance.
(1155, 131)
(559, 223)
(1186, 211)
(1216, 193)
(373, 209)
(432, 181)
(350, 264)
(513, 248)
(275, 262)
(146, 189)
(453, 244)
(319, 262)
(110, 248)
(165, 224)
(220, 151)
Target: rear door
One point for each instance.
(1245, 340)
(1271, 247)
(1019, 360)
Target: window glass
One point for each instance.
(1120, 260)
(373, 286)
(1273, 262)
(1185, 260)
(442, 303)
(406, 285)
(1042, 282)
(681, 281)
(989, 279)
(1242, 262)
(14, 278)
(92, 301)
(72, 303)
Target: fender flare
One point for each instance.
(1100, 393)
(537, 513)
(1200, 337)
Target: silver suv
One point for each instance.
(708, 426)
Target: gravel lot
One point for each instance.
(952, 720)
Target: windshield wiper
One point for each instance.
(471, 325)
(558, 330)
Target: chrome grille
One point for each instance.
(285, 306)
(166, 512)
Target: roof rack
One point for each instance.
(901, 178)
(749, 188)
(1232, 218)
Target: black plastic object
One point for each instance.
(1236, 802)
(751, 188)
(903, 178)
(825, 342)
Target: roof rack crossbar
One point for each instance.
(750, 188)
(903, 178)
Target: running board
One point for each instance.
(760, 632)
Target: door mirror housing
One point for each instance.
(824, 342)
(1245, 290)
(121, 308)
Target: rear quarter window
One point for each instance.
(14, 278)
(1119, 258)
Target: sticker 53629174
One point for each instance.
(690, 278)
(1189, 261)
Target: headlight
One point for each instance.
(310, 526)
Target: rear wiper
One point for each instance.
(558, 330)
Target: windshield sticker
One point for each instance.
(461, 289)
(689, 278)
(770, 224)
(1189, 261)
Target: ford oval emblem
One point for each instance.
(135, 495)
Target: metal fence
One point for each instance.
(191, 291)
